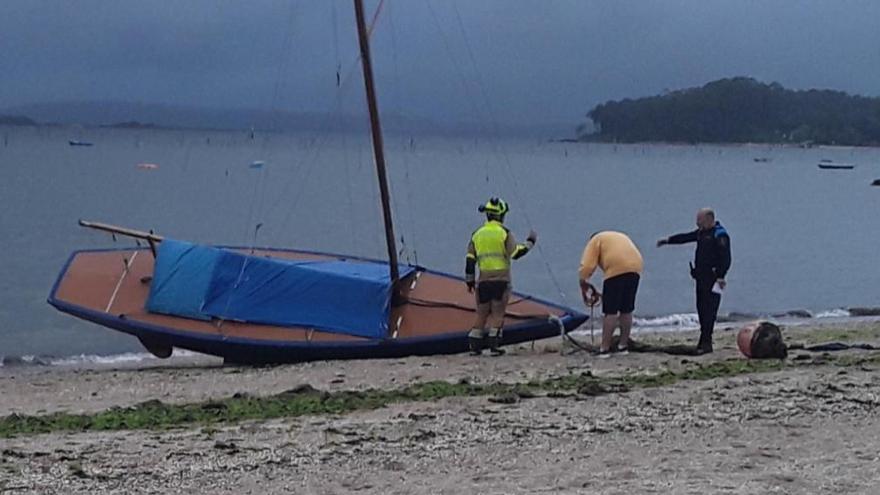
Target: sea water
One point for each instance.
(802, 238)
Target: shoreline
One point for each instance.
(672, 324)
(725, 144)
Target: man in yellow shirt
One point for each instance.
(621, 264)
(491, 249)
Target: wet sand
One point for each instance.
(803, 430)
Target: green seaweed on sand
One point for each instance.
(838, 334)
(306, 400)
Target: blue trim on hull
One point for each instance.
(249, 351)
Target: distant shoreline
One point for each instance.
(731, 144)
(125, 126)
(131, 125)
(172, 116)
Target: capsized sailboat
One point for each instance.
(273, 305)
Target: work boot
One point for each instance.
(704, 347)
(475, 344)
(494, 348)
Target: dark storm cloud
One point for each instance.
(544, 61)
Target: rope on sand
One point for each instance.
(566, 337)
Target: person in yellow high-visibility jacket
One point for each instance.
(491, 249)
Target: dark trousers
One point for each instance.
(707, 309)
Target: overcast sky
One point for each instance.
(547, 61)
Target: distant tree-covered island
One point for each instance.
(131, 124)
(739, 110)
(16, 120)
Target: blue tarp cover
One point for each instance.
(348, 297)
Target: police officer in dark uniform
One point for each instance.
(711, 262)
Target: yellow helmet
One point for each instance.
(494, 206)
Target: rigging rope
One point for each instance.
(352, 225)
(251, 206)
(335, 42)
(404, 155)
(258, 199)
(324, 136)
(427, 303)
(518, 196)
(375, 18)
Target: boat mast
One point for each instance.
(376, 131)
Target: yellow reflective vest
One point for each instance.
(490, 244)
(491, 248)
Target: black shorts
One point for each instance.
(619, 294)
(492, 290)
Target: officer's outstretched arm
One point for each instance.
(679, 238)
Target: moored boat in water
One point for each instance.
(832, 165)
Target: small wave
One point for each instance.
(126, 357)
(834, 313)
(26, 360)
(673, 320)
(795, 313)
(736, 316)
(689, 320)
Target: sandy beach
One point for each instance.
(810, 426)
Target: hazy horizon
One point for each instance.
(495, 62)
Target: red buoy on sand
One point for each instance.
(744, 339)
(762, 340)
